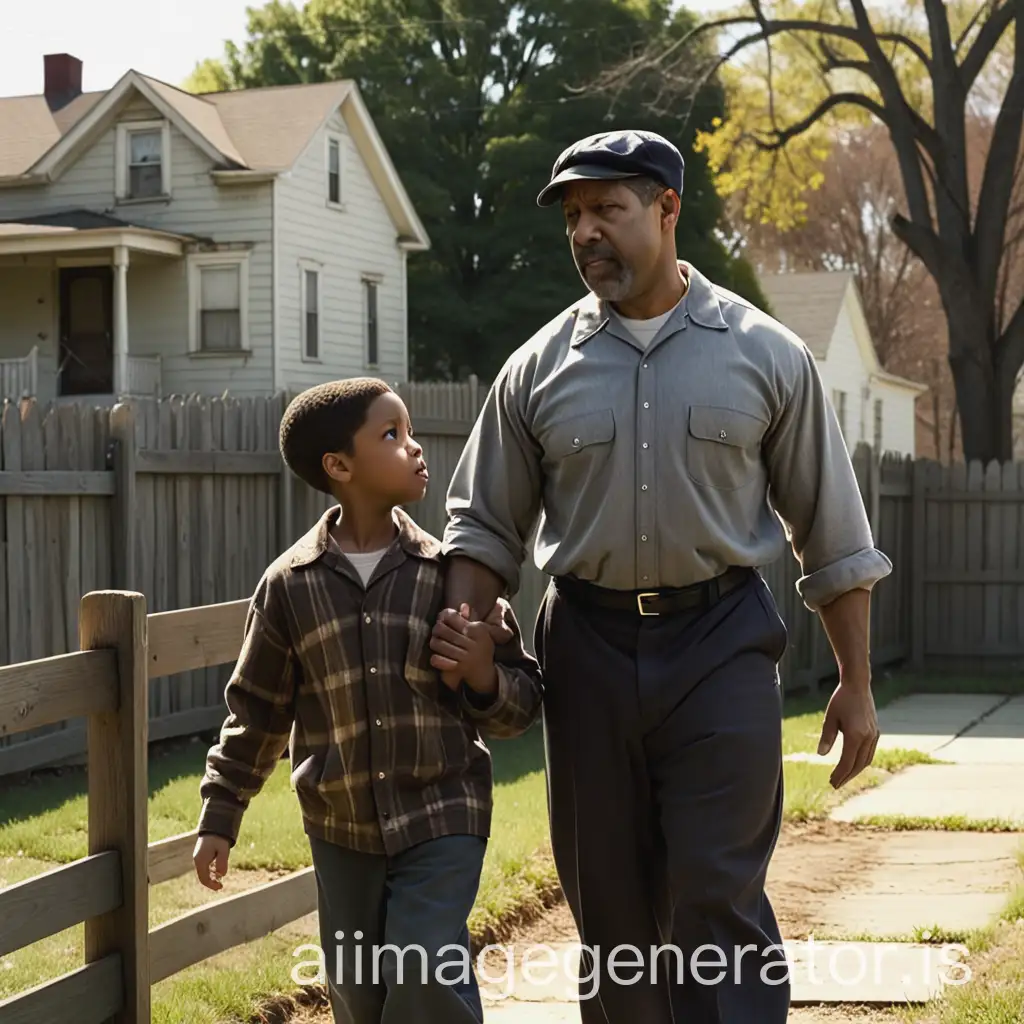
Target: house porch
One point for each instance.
(80, 295)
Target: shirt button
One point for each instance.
(643, 487)
(373, 670)
(643, 536)
(575, 440)
(645, 444)
(379, 722)
(645, 366)
(645, 579)
(647, 405)
(380, 775)
(367, 619)
(723, 435)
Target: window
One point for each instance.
(334, 171)
(219, 299)
(143, 160)
(878, 427)
(372, 337)
(310, 312)
(839, 404)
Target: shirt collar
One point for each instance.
(411, 539)
(699, 305)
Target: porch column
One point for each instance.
(120, 319)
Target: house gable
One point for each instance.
(107, 111)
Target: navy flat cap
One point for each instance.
(615, 155)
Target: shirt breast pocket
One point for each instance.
(723, 447)
(590, 432)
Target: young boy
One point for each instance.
(392, 778)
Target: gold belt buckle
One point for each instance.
(640, 602)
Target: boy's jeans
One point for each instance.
(419, 902)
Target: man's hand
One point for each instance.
(497, 626)
(210, 857)
(850, 711)
(465, 650)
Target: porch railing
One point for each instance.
(144, 377)
(19, 378)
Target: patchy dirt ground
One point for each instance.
(812, 861)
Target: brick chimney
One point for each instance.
(63, 79)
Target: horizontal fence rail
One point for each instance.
(109, 684)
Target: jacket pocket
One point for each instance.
(723, 447)
(578, 433)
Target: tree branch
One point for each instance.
(1010, 347)
(988, 37)
(998, 180)
(782, 136)
(921, 240)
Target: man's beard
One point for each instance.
(610, 281)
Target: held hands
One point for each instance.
(464, 649)
(850, 711)
(210, 857)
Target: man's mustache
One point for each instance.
(584, 257)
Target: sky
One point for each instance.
(161, 38)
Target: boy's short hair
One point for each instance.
(325, 419)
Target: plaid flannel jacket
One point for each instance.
(383, 754)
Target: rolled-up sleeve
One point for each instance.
(813, 488)
(495, 492)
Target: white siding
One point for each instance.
(844, 370)
(157, 292)
(28, 317)
(898, 419)
(349, 243)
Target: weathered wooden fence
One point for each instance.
(186, 501)
(123, 651)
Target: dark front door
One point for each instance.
(86, 355)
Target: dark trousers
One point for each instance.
(417, 903)
(664, 756)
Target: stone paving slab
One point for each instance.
(927, 722)
(955, 881)
(972, 791)
(997, 739)
(821, 972)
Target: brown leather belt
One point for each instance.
(664, 601)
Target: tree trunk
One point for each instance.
(984, 398)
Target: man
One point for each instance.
(647, 426)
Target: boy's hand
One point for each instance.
(465, 649)
(210, 857)
(496, 621)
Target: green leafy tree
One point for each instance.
(474, 100)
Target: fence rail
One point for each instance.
(123, 649)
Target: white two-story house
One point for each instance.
(153, 241)
(873, 406)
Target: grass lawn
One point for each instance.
(43, 823)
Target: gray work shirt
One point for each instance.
(662, 467)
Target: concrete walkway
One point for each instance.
(959, 728)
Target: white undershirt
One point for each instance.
(645, 330)
(365, 562)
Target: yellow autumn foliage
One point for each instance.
(768, 96)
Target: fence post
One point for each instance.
(118, 792)
(286, 495)
(918, 563)
(123, 448)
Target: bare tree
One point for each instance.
(962, 244)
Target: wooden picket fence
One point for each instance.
(186, 501)
(123, 650)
